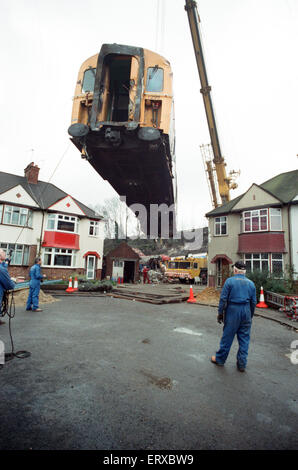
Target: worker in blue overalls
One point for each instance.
(236, 309)
(6, 283)
(34, 287)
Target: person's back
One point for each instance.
(6, 283)
(236, 309)
(238, 289)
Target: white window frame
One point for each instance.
(18, 249)
(223, 221)
(62, 217)
(277, 258)
(89, 258)
(23, 211)
(61, 252)
(274, 213)
(257, 257)
(255, 213)
(94, 226)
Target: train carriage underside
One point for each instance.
(135, 160)
(136, 168)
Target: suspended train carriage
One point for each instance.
(123, 124)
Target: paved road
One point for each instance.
(110, 374)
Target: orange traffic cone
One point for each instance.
(262, 304)
(75, 285)
(69, 289)
(191, 299)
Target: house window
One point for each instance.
(19, 253)
(256, 262)
(255, 221)
(62, 223)
(14, 215)
(275, 219)
(220, 226)
(94, 228)
(118, 264)
(154, 79)
(277, 264)
(59, 257)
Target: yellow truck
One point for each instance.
(192, 270)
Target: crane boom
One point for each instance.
(224, 182)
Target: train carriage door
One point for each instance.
(134, 70)
(104, 94)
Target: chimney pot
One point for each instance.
(31, 173)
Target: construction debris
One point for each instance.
(151, 294)
(156, 276)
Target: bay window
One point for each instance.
(62, 223)
(255, 221)
(261, 220)
(265, 262)
(59, 257)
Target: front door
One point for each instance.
(90, 267)
(219, 272)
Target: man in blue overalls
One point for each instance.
(6, 283)
(35, 278)
(236, 308)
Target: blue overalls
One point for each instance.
(5, 282)
(35, 277)
(239, 293)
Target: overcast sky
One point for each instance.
(251, 56)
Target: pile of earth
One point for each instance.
(20, 297)
(210, 295)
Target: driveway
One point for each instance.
(106, 373)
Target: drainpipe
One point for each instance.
(41, 230)
(290, 239)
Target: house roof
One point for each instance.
(283, 186)
(44, 194)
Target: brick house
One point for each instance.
(37, 218)
(260, 227)
(123, 261)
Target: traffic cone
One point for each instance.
(262, 304)
(69, 289)
(76, 285)
(191, 299)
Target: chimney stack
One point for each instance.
(31, 173)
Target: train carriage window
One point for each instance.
(89, 80)
(154, 79)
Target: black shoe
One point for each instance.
(240, 368)
(27, 309)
